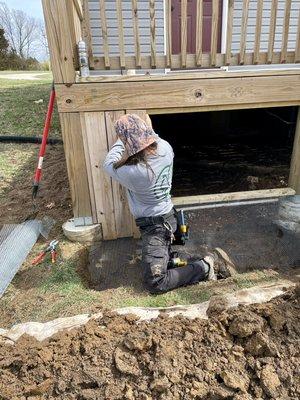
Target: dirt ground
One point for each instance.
(53, 197)
(249, 352)
(45, 291)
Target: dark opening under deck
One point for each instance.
(228, 151)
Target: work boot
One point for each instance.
(220, 265)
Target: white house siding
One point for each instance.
(112, 27)
(144, 26)
(237, 20)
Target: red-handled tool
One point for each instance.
(38, 172)
(52, 248)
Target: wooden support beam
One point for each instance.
(244, 26)
(178, 93)
(152, 33)
(76, 165)
(294, 180)
(273, 18)
(76, 30)
(229, 197)
(121, 34)
(297, 50)
(183, 32)
(61, 47)
(259, 13)
(214, 32)
(169, 33)
(104, 34)
(78, 7)
(95, 145)
(181, 110)
(187, 75)
(122, 215)
(87, 32)
(199, 32)
(229, 32)
(285, 33)
(137, 45)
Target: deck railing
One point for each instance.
(79, 19)
(199, 59)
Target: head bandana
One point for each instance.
(134, 133)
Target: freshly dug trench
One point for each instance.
(249, 352)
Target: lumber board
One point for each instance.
(121, 34)
(78, 8)
(229, 32)
(235, 196)
(122, 215)
(180, 110)
(272, 30)
(183, 33)
(89, 167)
(294, 179)
(137, 45)
(87, 32)
(259, 13)
(94, 127)
(199, 32)
(297, 50)
(76, 30)
(60, 40)
(104, 34)
(168, 33)
(191, 62)
(193, 74)
(214, 32)
(76, 164)
(181, 93)
(244, 25)
(152, 33)
(285, 33)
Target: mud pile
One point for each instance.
(251, 352)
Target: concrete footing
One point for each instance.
(84, 234)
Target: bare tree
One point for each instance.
(22, 31)
(43, 40)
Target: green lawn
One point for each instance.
(19, 114)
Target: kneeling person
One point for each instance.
(143, 163)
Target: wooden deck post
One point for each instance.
(76, 166)
(60, 36)
(294, 180)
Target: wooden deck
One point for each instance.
(88, 107)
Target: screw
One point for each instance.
(68, 101)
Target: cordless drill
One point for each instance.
(181, 235)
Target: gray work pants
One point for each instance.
(156, 250)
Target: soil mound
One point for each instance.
(250, 352)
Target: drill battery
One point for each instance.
(181, 235)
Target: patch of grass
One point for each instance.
(15, 162)
(19, 114)
(176, 297)
(250, 279)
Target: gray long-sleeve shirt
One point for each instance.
(148, 188)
